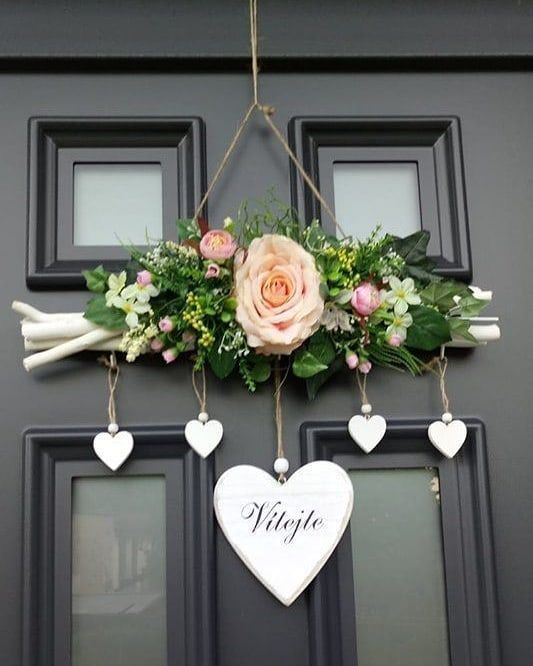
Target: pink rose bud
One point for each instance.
(365, 367)
(169, 355)
(144, 278)
(395, 340)
(218, 245)
(366, 299)
(352, 360)
(157, 345)
(213, 271)
(166, 325)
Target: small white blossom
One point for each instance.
(402, 294)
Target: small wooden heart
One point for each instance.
(448, 438)
(367, 432)
(113, 450)
(284, 532)
(204, 436)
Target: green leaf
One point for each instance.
(460, 329)
(412, 248)
(470, 306)
(108, 317)
(315, 383)
(321, 347)
(442, 294)
(429, 329)
(260, 370)
(226, 316)
(222, 364)
(96, 279)
(188, 230)
(306, 365)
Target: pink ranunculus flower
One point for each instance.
(352, 360)
(365, 367)
(144, 278)
(213, 271)
(169, 355)
(366, 298)
(166, 324)
(218, 245)
(395, 340)
(157, 344)
(277, 287)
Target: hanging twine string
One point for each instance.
(278, 413)
(361, 382)
(441, 365)
(267, 112)
(201, 395)
(113, 372)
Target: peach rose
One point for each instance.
(217, 245)
(278, 296)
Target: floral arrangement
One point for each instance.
(265, 285)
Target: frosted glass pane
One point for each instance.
(117, 202)
(372, 193)
(118, 572)
(398, 568)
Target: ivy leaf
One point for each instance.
(96, 279)
(315, 383)
(470, 306)
(442, 294)
(222, 363)
(460, 329)
(412, 248)
(306, 365)
(429, 329)
(108, 317)
(321, 347)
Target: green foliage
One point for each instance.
(397, 358)
(442, 295)
(188, 230)
(429, 329)
(413, 249)
(314, 384)
(306, 364)
(222, 363)
(96, 279)
(108, 317)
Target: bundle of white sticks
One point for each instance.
(53, 336)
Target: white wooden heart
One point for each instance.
(113, 450)
(284, 532)
(202, 436)
(448, 438)
(367, 432)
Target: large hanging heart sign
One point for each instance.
(284, 532)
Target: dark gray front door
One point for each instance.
(236, 621)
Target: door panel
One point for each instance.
(494, 110)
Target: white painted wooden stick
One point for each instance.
(57, 328)
(482, 333)
(105, 345)
(68, 348)
(33, 314)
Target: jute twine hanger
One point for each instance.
(266, 112)
(113, 372)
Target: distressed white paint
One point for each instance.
(304, 520)
(113, 450)
(448, 438)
